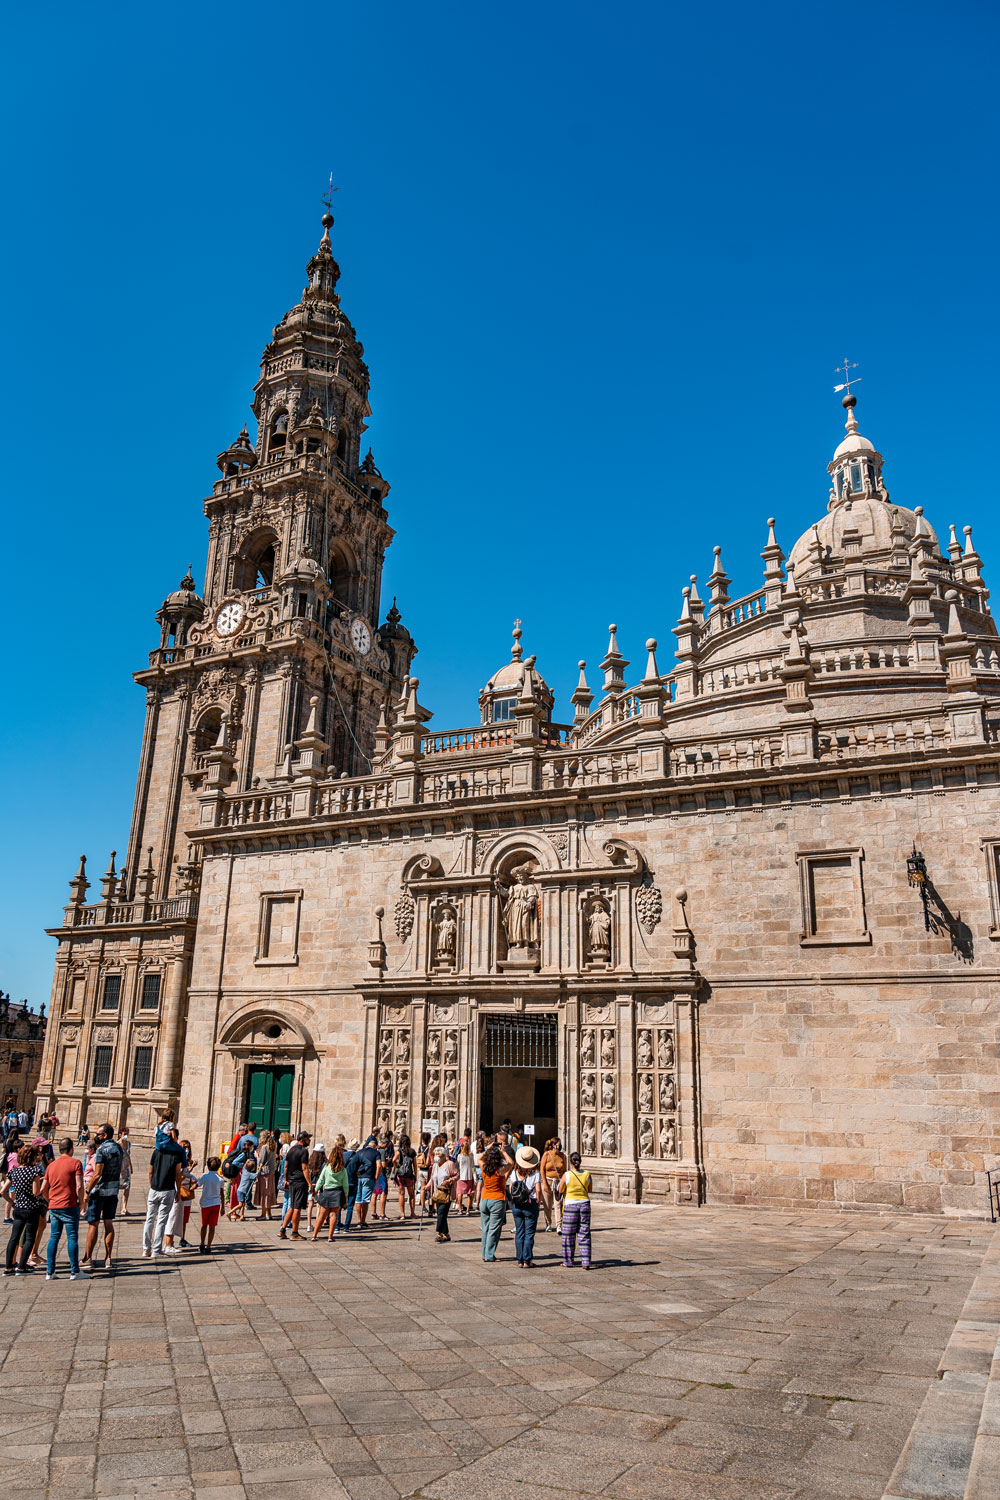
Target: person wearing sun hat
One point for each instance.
(523, 1189)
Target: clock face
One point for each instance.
(230, 618)
(361, 636)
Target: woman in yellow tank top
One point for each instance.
(574, 1185)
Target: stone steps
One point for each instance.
(953, 1450)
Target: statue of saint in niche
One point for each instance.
(520, 909)
(444, 936)
(599, 930)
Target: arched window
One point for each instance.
(279, 435)
(207, 730)
(253, 566)
(265, 568)
(343, 579)
(343, 444)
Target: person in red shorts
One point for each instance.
(212, 1185)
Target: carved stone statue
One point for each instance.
(599, 930)
(645, 1093)
(382, 1121)
(608, 1091)
(668, 1097)
(609, 1138)
(433, 1089)
(400, 1125)
(384, 1086)
(444, 936)
(450, 1048)
(451, 1088)
(665, 1050)
(385, 1047)
(668, 1139)
(645, 1137)
(644, 1050)
(402, 1046)
(587, 1049)
(520, 910)
(588, 1091)
(607, 1049)
(589, 1140)
(402, 1085)
(433, 1048)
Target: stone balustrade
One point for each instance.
(130, 913)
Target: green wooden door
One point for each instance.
(269, 1098)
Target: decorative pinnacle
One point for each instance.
(849, 380)
(516, 651)
(327, 219)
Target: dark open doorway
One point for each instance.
(519, 1075)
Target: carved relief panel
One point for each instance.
(392, 1079)
(599, 1082)
(656, 1088)
(441, 1077)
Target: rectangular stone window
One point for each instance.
(150, 992)
(101, 1075)
(142, 1067)
(112, 993)
(77, 986)
(278, 933)
(991, 849)
(68, 1070)
(833, 898)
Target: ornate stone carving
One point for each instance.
(104, 1034)
(144, 1034)
(70, 1034)
(392, 1082)
(597, 931)
(608, 1091)
(445, 934)
(451, 1048)
(588, 1046)
(560, 843)
(385, 1047)
(668, 1139)
(645, 1137)
(645, 1096)
(484, 843)
(450, 1095)
(648, 904)
(588, 1091)
(665, 1049)
(656, 1087)
(384, 1093)
(519, 907)
(433, 1048)
(403, 914)
(609, 1137)
(644, 1050)
(607, 1049)
(589, 1137)
(402, 1046)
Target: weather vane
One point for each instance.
(328, 196)
(844, 369)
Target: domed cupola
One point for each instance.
(860, 523)
(238, 457)
(178, 612)
(498, 699)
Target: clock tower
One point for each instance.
(286, 642)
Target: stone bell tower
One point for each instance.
(286, 642)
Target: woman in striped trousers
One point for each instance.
(574, 1186)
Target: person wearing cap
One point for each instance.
(351, 1168)
(297, 1183)
(523, 1190)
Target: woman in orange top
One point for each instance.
(493, 1203)
(552, 1168)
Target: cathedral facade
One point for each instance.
(730, 927)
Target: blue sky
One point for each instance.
(603, 261)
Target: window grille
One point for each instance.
(142, 1067)
(112, 995)
(150, 992)
(101, 1075)
(520, 1042)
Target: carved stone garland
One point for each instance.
(599, 1123)
(656, 1092)
(441, 1078)
(392, 1078)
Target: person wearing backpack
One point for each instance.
(248, 1176)
(405, 1172)
(523, 1190)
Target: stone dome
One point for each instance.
(184, 600)
(507, 682)
(859, 526)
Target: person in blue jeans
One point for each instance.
(493, 1203)
(523, 1187)
(351, 1164)
(62, 1189)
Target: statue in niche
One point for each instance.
(668, 1096)
(589, 1138)
(644, 1050)
(433, 1048)
(400, 1125)
(402, 1085)
(385, 1047)
(520, 910)
(588, 1091)
(402, 1046)
(384, 1086)
(382, 1121)
(609, 1138)
(433, 1089)
(451, 1088)
(668, 1139)
(645, 1137)
(608, 1091)
(607, 1049)
(599, 931)
(445, 933)
(450, 1048)
(665, 1049)
(645, 1094)
(587, 1049)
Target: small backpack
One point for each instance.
(518, 1192)
(233, 1165)
(405, 1168)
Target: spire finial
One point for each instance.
(327, 219)
(850, 401)
(516, 651)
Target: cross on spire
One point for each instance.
(328, 195)
(849, 379)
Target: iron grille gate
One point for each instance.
(520, 1042)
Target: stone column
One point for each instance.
(171, 1026)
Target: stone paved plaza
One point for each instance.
(719, 1354)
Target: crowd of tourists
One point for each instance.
(314, 1190)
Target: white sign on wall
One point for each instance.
(433, 1127)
